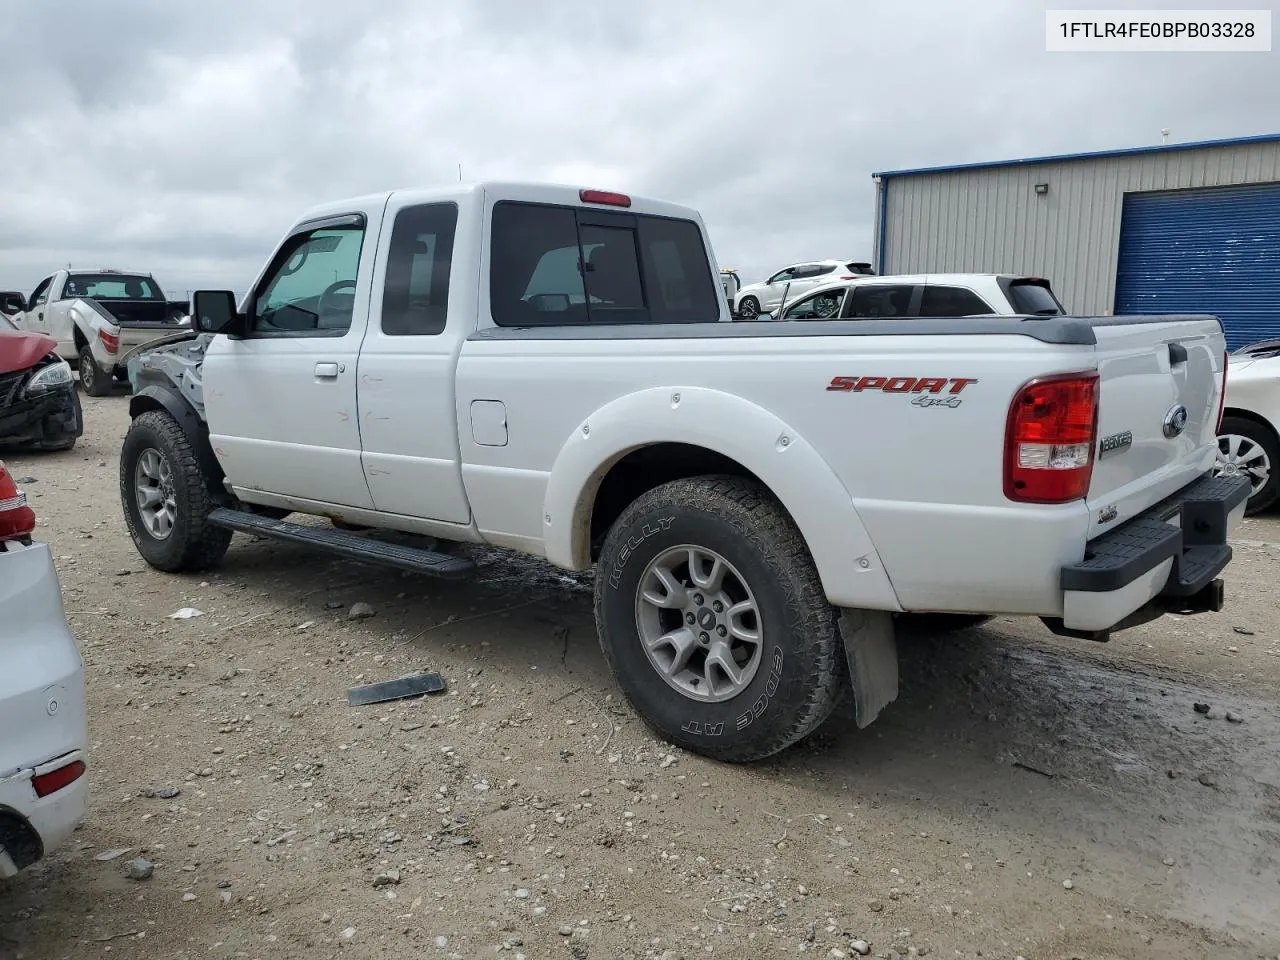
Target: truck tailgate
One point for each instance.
(131, 337)
(1160, 386)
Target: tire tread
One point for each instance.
(762, 521)
(203, 543)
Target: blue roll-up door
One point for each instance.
(1204, 251)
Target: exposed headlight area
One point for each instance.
(52, 376)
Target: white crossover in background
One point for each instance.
(1249, 440)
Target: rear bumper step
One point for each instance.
(349, 545)
(1185, 534)
(1190, 527)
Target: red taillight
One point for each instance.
(109, 340)
(55, 780)
(17, 520)
(606, 197)
(1048, 450)
(1222, 400)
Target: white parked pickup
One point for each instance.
(555, 371)
(97, 316)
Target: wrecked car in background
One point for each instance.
(39, 406)
(95, 316)
(44, 738)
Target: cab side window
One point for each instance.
(310, 290)
(415, 292)
(40, 296)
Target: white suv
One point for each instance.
(43, 731)
(931, 295)
(790, 282)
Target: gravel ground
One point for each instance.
(1026, 796)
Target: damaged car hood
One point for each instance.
(21, 350)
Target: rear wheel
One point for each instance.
(166, 499)
(1248, 449)
(714, 621)
(96, 383)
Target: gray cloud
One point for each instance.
(184, 140)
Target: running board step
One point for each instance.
(347, 545)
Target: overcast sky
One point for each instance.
(183, 138)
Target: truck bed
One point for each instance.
(140, 314)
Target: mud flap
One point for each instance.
(872, 653)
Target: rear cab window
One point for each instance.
(108, 286)
(1031, 295)
(560, 265)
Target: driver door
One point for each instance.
(281, 401)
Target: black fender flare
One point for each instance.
(155, 397)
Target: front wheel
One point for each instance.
(96, 383)
(749, 308)
(1248, 449)
(714, 621)
(166, 498)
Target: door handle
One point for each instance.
(1177, 354)
(328, 371)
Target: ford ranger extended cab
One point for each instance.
(555, 371)
(96, 316)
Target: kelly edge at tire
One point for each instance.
(193, 543)
(801, 669)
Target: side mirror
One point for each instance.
(13, 302)
(765, 316)
(213, 311)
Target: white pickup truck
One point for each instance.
(555, 371)
(97, 316)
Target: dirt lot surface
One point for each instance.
(1026, 796)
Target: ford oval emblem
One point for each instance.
(1175, 421)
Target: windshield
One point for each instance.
(114, 286)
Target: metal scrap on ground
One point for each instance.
(402, 688)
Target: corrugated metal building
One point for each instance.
(1186, 227)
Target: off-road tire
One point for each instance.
(802, 670)
(194, 543)
(93, 379)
